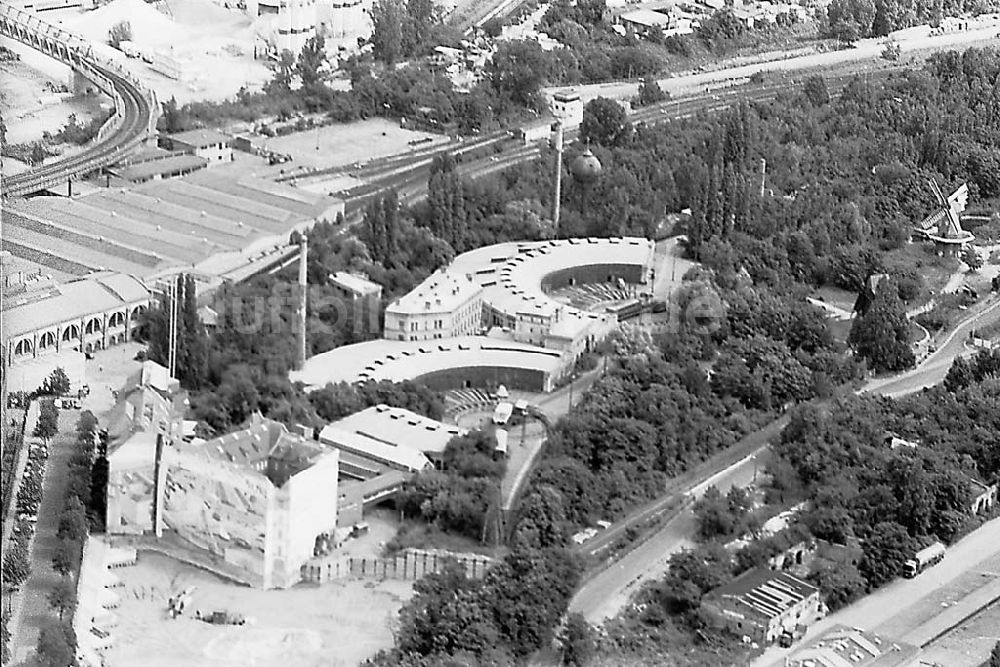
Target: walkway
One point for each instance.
(31, 604)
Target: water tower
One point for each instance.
(586, 169)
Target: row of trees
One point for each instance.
(513, 611)
(658, 411)
(896, 499)
(463, 498)
(849, 20)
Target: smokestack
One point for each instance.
(559, 152)
(303, 288)
(763, 175)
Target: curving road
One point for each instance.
(605, 593)
(135, 108)
(935, 367)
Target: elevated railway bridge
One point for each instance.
(132, 123)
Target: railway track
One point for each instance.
(132, 122)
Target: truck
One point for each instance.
(502, 413)
(789, 637)
(923, 559)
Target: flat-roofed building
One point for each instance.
(464, 361)
(364, 297)
(210, 145)
(762, 604)
(207, 223)
(444, 305)
(355, 285)
(396, 427)
(842, 646)
(567, 107)
(167, 165)
(642, 22)
(48, 324)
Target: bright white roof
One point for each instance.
(401, 427)
(646, 17)
(398, 360)
(398, 455)
(512, 273)
(72, 301)
(441, 292)
(354, 283)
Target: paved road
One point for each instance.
(975, 552)
(914, 39)
(935, 367)
(608, 591)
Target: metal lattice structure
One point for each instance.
(133, 121)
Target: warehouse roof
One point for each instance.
(166, 166)
(405, 360)
(398, 455)
(763, 593)
(402, 427)
(38, 309)
(201, 138)
(850, 647)
(161, 224)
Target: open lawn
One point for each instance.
(835, 296)
(306, 626)
(920, 257)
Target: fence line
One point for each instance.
(411, 564)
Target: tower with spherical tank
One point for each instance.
(586, 169)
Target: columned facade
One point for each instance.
(87, 334)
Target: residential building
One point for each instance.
(211, 145)
(445, 305)
(375, 431)
(762, 604)
(147, 417)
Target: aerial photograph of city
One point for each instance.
(500, 333)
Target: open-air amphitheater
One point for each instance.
(526, 338)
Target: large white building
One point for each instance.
(47, 324)
(504, 289)
(398, 438)
(445, 305)
(258, 499)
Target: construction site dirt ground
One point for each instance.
(218, 42)
(341, 145)
(27, 101)
(333, 624)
